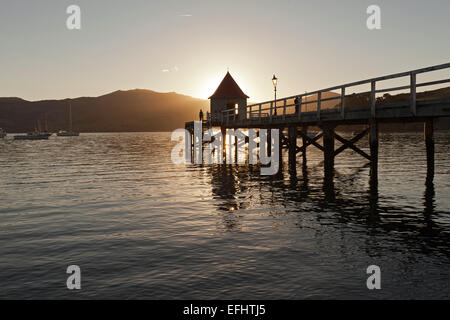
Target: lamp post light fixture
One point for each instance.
(275, 82)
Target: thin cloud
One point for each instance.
(185, 15)
(173, 69)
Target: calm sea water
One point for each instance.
(141, 227)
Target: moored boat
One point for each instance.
(70, 133)
(63, 133)
(33, 136)
(46, 131)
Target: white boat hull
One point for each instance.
(67, 134)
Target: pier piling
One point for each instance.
(328, 152)
(223, 131)
(429, 143)
(292, 132)
(373, 144)
(304, 159)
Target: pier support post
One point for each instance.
(292, 132)
(280, 151)
(192, 145)
(269, 142)
(429, 143)
(373, 143)
(223, 131)
(304, 142)
(328, 146)
(235, 147)
(188, 145)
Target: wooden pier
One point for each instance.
(329, 108)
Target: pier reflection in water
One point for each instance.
(350, 199)
(241, 186)
(140, 226)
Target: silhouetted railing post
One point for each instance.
(299, 115)
(373, 100)
(343, 102)
(413, 94)
(271, 110)
(319, 102)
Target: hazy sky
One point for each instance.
(186, 46)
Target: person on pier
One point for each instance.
(200, 115)
(297, 105)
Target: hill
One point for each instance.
(145, 110)
(119, 111)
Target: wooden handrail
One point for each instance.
(412, 87)
(357, 83)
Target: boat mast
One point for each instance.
(70, 117)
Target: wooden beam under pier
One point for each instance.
(307, 141)
(352, 141)
(351, 144)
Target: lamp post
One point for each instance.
(275, 82)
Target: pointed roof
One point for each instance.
(228, 88)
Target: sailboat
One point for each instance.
(32, 136)
(37, 134)
(46, 132)
(69, 133)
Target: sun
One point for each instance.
(209, 86)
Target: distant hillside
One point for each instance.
(133, 110)
(146, 110)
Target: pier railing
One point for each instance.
(313, 102)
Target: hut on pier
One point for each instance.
(228, 96)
